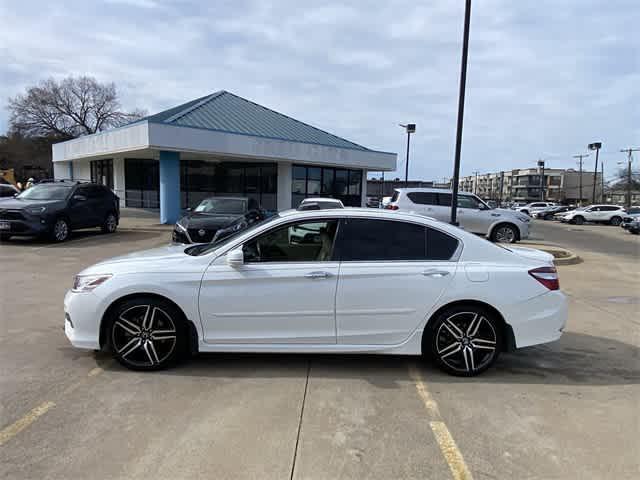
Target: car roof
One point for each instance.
(429, 190)
(321, 199)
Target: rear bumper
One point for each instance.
(538, 320)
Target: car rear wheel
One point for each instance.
(504, 233)
(61, 230)
(110, 223)
(615, 221)
(465, 340)
(146, 333)
(578, 220)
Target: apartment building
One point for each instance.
(524, 185)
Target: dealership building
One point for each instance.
(220, 145)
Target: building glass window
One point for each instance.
(142, 183)
(343, 184)
(200, 179)
(102, 172)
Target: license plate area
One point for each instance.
(5, 226)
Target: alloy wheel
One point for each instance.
(505, 234)
(111, 223)
(466, 342)
(144, 336)
(60, 230)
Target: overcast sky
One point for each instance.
(545, 77)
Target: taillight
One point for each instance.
(392, 207)
(548, 276)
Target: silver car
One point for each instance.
(474, 215)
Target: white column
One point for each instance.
(81, 170)
(363, 189)
(118, 179)
(62, 170)
(284, 186)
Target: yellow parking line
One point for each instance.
(95, 371)
(12, 430)
(447, 444)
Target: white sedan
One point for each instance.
(330, 281)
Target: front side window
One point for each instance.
(466, 201)
(310, 241)
(423, 198)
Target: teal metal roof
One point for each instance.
(226, 112)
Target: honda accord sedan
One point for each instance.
(322, 281)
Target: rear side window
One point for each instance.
(385, 240)
(609, 209)
(444, 199)
(423, 198)
(395, 196)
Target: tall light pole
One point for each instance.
(463, 84)
(629, 152)
(595, 146)
(580, 156)
(541, 167)
(410, 128)
(475, 182)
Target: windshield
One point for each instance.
(205, 248)
(222, 206)
(46, 192)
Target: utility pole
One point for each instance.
(581, 156)
(629, 152)
(501, 189)
(475, 183)
(602, 181)
(541, 167)
(595, 146)
(463, 84)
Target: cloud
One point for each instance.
(543, 76)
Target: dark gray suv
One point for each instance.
(55, 208)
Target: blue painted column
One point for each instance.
(169, 186)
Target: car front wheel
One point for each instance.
(61, 230)
(578, 220)
(504, 233)
(146, 333)
(465, 340)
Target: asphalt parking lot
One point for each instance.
(570, 409)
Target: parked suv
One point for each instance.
(531, 208)
(499, 225)
(611, 214)
(55, 208)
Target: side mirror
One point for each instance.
(79, 198)
(235, 258)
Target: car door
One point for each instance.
(391, 274)
(592, 214)
(283, 293)
(80, 210)
(474, 215)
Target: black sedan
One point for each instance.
(201, 224)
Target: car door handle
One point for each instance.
(318, 275)
(432, 272)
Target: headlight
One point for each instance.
(36, 210)
(86, 283)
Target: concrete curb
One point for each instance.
(561, 256)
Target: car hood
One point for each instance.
(208, 220)
(18, 203)
(532, 254)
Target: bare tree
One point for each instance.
(68, 108)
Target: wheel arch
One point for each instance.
(506, 330)
(104, 321)
(505, 222)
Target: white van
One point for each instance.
(474, 215)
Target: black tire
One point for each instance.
(60, 231)
(110, 223)
(504, 233)
(548, 216)
(578, 220)
(147, 333)
(615, 221)
(4, 237)
(634, 232)
(464, 340)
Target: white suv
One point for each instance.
(531, 208)
(611, 214)
(497, 224)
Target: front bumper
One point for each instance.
(82, 314)
(538, 320)
(28, 225)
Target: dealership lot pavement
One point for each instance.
(565, 410)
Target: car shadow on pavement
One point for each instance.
(576, 359)
(83, 238)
